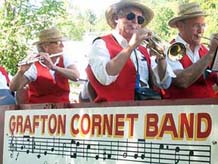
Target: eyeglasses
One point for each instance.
(131, 16)
(199, 26)
(56, 42)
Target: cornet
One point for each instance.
(155, 44)
(36, 59)
(174, 52)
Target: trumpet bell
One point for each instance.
(176, 51)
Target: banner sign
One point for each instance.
(141, 134)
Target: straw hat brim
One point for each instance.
(111, 12)
(172, 22)
(50, 40)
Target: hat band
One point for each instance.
(194, 13)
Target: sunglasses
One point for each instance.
(55, 42)
(58, 43)
(131, 16)
(199, 26)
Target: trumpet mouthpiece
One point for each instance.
(200, 35)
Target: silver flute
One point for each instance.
(35, 59)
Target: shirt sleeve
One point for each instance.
(166, 82)
(31, 73)
(98, 58)
(3, 82)
(69, 60)
(175, 65)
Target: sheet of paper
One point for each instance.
(214, 66)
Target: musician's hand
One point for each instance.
(213, 44)
(45, 59)
(23, 68)
(25, 64)
(153, 53)
(139, 36)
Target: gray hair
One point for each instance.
(122, 11)
(40, 48)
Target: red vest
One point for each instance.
(124, 87)
(45, 89)
(202, 88)
(4, 72)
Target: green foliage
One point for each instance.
(165, 9)
(160, 22)
(211, 8)
(20, 22)
(71, 28)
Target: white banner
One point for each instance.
(114, 135)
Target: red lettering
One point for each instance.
(12, 124)
(35, 122)
(19, 124)
(44, 118)
(151, 125)
(168, 126)
(131, 118)
(52, 123)
(61, 124)
(206, 119)
(27, 125)
(74, 121)
(108, 124)
(85, 120)
(187, 124)
(96, 123)
(119, 127)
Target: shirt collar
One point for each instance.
(181, 40)
(120, 39)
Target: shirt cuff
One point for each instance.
(101, 74)
(166, 81)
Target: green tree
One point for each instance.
(160, 23)
(20, 22)
(165, 9)
(211, 8)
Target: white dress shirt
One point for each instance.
(3, 82)
(99, 56)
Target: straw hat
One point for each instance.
(49, 35)
(112, 11)
(186, 11)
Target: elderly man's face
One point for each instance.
(191, 30)
(129, 22)
(54, 47)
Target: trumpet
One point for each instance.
(155, 44)
(174, 52)
(36, 59)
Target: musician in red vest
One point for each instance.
(193, 76)
(6, 97)
(118, 63)
(47, 78)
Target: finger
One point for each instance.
(41, 59)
